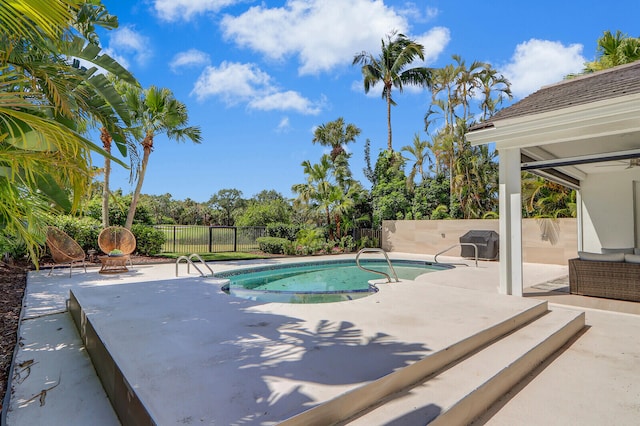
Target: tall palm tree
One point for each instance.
(419, 152)
(155, 111)
(391, 67)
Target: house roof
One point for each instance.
(607, 84)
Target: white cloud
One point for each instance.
(233, 82)
(189, 58)
(434, 42)
(285, 101)
(127, 42)
(536, 63)
(238, 83)
(175, 10)
(416, 13)
(284, 126)
(321, 34)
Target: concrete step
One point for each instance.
(463, 391)
(349, 404)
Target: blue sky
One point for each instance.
(259, 76)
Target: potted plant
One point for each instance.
(115, 253)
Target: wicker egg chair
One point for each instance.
(117, 237)
(64, 249)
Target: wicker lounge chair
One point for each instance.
(64, 249)
(117, 238)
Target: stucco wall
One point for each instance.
(608, 210)
(431, 236)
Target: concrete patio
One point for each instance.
(274, 362)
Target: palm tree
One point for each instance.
(444, 96)
(155, 111)
(106, 139)
(471, 171)
(317, 192)
(124, 141)
(391, 68)
(336, 135)
(613, 50)
(490, 82)
(467, 81)
(45, 100)
(543, 198)
(419, 152)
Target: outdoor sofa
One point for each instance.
(612, 274)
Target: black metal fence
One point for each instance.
(218, 239)
(210, 239)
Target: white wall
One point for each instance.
(608, 209)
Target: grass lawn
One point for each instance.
(207, 257)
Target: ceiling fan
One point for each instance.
(627, 164)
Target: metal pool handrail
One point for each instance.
(475, 247)
(377, 250)
(190, 262)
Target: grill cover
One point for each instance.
(487, 241)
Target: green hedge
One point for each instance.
(283, 230)
(149, 240)
(274, 245)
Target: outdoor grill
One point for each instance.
(488, 243)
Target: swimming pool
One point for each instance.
(316, 282)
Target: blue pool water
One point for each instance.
(316, 282)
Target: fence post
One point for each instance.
(210, 239)
(174, 238)
(235, 238)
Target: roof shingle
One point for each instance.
(611, 83)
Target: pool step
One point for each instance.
(369, 395)
(463, 391)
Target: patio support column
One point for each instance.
(579, 220)
(510, 222)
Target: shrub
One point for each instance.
(347, 244)
(149, 240)
(283, 230)
(367, 242)
(274, 245)
(310, 241)
(440, 212)
(84, 230)
(11, 247)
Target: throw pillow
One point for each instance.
(601, 257)
(618, 250)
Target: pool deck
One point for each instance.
(200, 356)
